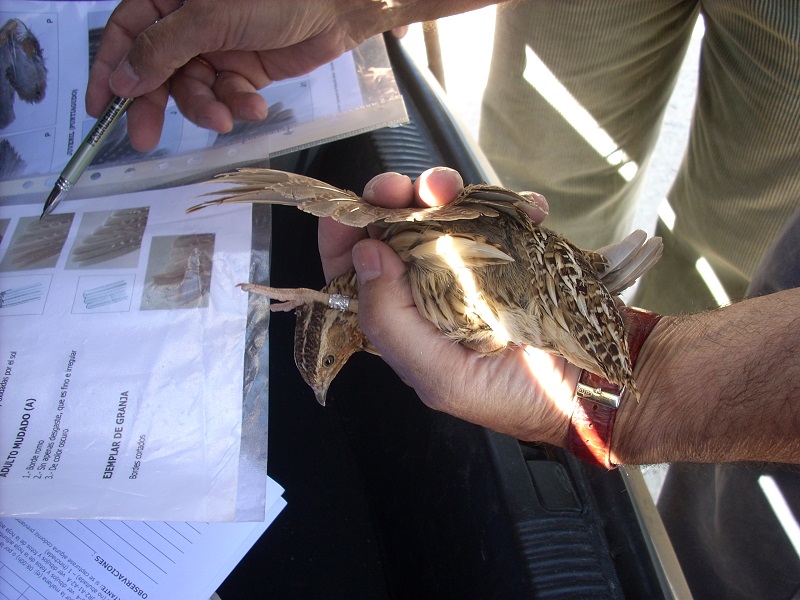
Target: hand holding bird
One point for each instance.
(482, 271)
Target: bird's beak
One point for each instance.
(321, 392)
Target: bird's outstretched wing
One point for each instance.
(324, 200)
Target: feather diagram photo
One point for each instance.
(178, 272)
(109, 239)
(36, 243)
(279, 118)
(11, 163)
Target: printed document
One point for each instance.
(122, 361)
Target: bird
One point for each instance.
(480, 269)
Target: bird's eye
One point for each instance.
(328, 360)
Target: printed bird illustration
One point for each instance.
(22, 69)
(480, 270)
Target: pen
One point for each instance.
(86, 152)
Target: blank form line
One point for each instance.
(188, 541)
(80, 539)
(163, 538)
(118, 553)
(193, 528)
(148, 542)
(132, 547)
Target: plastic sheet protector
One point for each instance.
(48, 49)
(122, 360)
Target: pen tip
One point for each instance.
(56, 195)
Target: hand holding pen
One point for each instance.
(213, 58)
(148, 51)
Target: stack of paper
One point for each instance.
(90, 560)
(123, 396)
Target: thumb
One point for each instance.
(387, 312)
(382, 281)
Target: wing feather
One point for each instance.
(324, 200)
(440, 250)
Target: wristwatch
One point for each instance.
(597, 399)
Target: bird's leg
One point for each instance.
(291, 298)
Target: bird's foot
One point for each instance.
(291, 298)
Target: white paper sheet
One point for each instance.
(41, 128)
(121, 385)
(89, 560)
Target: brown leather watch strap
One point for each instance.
(597, 399)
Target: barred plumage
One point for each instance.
(480, 270)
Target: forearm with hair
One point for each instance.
(720, 386)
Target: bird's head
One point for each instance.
(324, 339)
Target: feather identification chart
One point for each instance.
(122, 362)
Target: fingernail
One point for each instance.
(538, 200)
(366, 261)
(439, 185)
(124, 80)
(253, 113)
(372, 184)
(204, 121)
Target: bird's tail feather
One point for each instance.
(629, 259)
